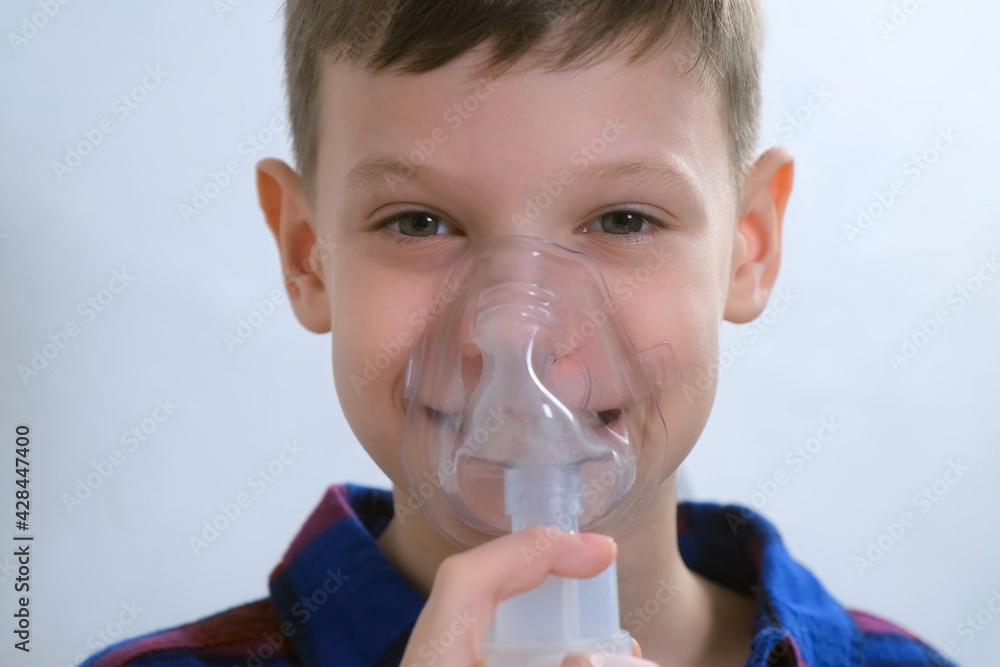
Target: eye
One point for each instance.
(623, 222)
(416, 223)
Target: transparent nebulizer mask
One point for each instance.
(530, 406)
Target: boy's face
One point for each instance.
(629, 164)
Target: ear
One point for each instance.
(289, 216)
(757, 242)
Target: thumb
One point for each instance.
(470, 585)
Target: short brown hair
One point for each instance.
(416, 36)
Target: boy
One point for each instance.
(624, 130)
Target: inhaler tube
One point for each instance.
(563, 615)
(529, 405)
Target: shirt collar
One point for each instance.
(343, 603)
(796, 616)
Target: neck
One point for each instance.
(679, 618)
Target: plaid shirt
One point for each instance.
(336, 601)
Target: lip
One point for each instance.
(608, 417)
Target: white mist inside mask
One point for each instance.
(530, 406)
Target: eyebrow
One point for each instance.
(653, 170)
(370, 171)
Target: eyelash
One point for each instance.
(656, 224)
(384, 226)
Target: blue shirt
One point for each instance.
(336, 601)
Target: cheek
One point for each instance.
(686, 406)
(376, 321)
(681, 307)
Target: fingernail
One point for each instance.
(596, 539)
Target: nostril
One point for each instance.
(609, 416)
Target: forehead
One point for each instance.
(513, 130)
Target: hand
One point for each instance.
(468, 587)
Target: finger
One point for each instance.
(636, 649)
(468, 586)
(604, 660)
(521, 561)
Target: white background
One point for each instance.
(826, 356)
